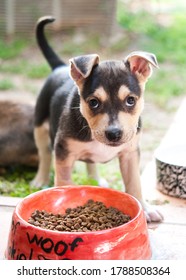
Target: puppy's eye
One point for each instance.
(130, 101)
(93, 103)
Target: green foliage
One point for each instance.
(167, 41)
(13, 67)
(137, 23)
(16, 181)
(166, 83)
(35, 71)
(12, 49)
(85, 45)
(28, 69)
(6, 84)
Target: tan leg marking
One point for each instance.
(43, 143)
(93, 173)
(129, 165)
(63, 171)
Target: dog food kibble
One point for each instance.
(92, 216)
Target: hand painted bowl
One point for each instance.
(171, 170)
(128, 241)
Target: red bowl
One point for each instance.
(128, 241)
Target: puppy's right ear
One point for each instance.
(81, 67)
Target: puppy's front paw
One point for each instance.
(103, 183)
(151, 213)
(38, 182)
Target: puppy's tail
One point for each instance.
(52, 58)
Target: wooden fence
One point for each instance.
(20, 16)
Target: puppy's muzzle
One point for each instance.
(113, 134)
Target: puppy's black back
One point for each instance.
(56, 79)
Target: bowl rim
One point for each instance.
(160, 154)
(98, 232)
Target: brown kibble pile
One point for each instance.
(92, 216)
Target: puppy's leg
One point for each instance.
(129, 165)
(93, 173)
(43, 144)
(63, 171)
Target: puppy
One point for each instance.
(17, 145)
(91, 111)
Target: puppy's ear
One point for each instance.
(140, 64)
(81, 66)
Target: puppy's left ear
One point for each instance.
(81, 66)
(140, 64)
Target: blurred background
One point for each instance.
(111, 28)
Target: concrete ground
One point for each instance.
(168, 239)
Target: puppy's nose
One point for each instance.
(113, 134)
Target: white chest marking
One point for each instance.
(94, 150)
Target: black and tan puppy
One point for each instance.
(91, 111)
